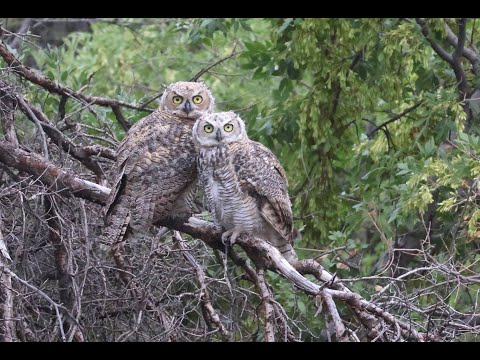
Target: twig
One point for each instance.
(45, 125)
(395, 118)
(212, 316)
(54, 87)
(31, 115)
(204, 70)
(8, 104)
(56, 306)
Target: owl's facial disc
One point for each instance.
(188, 100)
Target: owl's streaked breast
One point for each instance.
(232, 207)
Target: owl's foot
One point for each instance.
(233, 234)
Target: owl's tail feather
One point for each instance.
(116, 225)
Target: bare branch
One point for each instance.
(206, 69)
(56, 306)
(38, 78)
(7, 325)
(52, 176)
(211, 316)
(120, 118)
(267, 303)
(44, 125)
(340, 330)
(26, 23)
(8, 104)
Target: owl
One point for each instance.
(156, 163)
(246, 188)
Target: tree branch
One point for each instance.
(49, 174)
(56, 306)
(7, 315)
(437, 48)
(40, 79)
(395, 118)
(8, 104)
(269, 335)
(65, 283)
(26, 23)
(259, 251)
(210, 315)
(40, 119)
(457, 63)
(340, 330)
(469, 54)
(204, 70)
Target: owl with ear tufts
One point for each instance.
(246, 188)
(156, 163)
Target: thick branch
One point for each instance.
(340, 330)
(49, 174)
(358, 302)
(469, 54)
(462, 36)
(267, 303)
(437, 48)
(7, 324)
(457, 62)
(454, 59)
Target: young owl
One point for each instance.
(156, 163)
(245, 185)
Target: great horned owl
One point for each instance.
(156, 163)
(245, 185)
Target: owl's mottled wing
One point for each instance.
(156, 164)
(263, 177)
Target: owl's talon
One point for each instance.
(225, 238)
(229, 237)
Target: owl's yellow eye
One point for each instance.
(197, 99)
(177, 100)
(208, 128)
(228, 127)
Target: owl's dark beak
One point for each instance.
(218, 135)
(187, 108)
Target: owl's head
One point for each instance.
(218, 128)
(187, 99)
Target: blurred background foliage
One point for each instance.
(314, 91)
